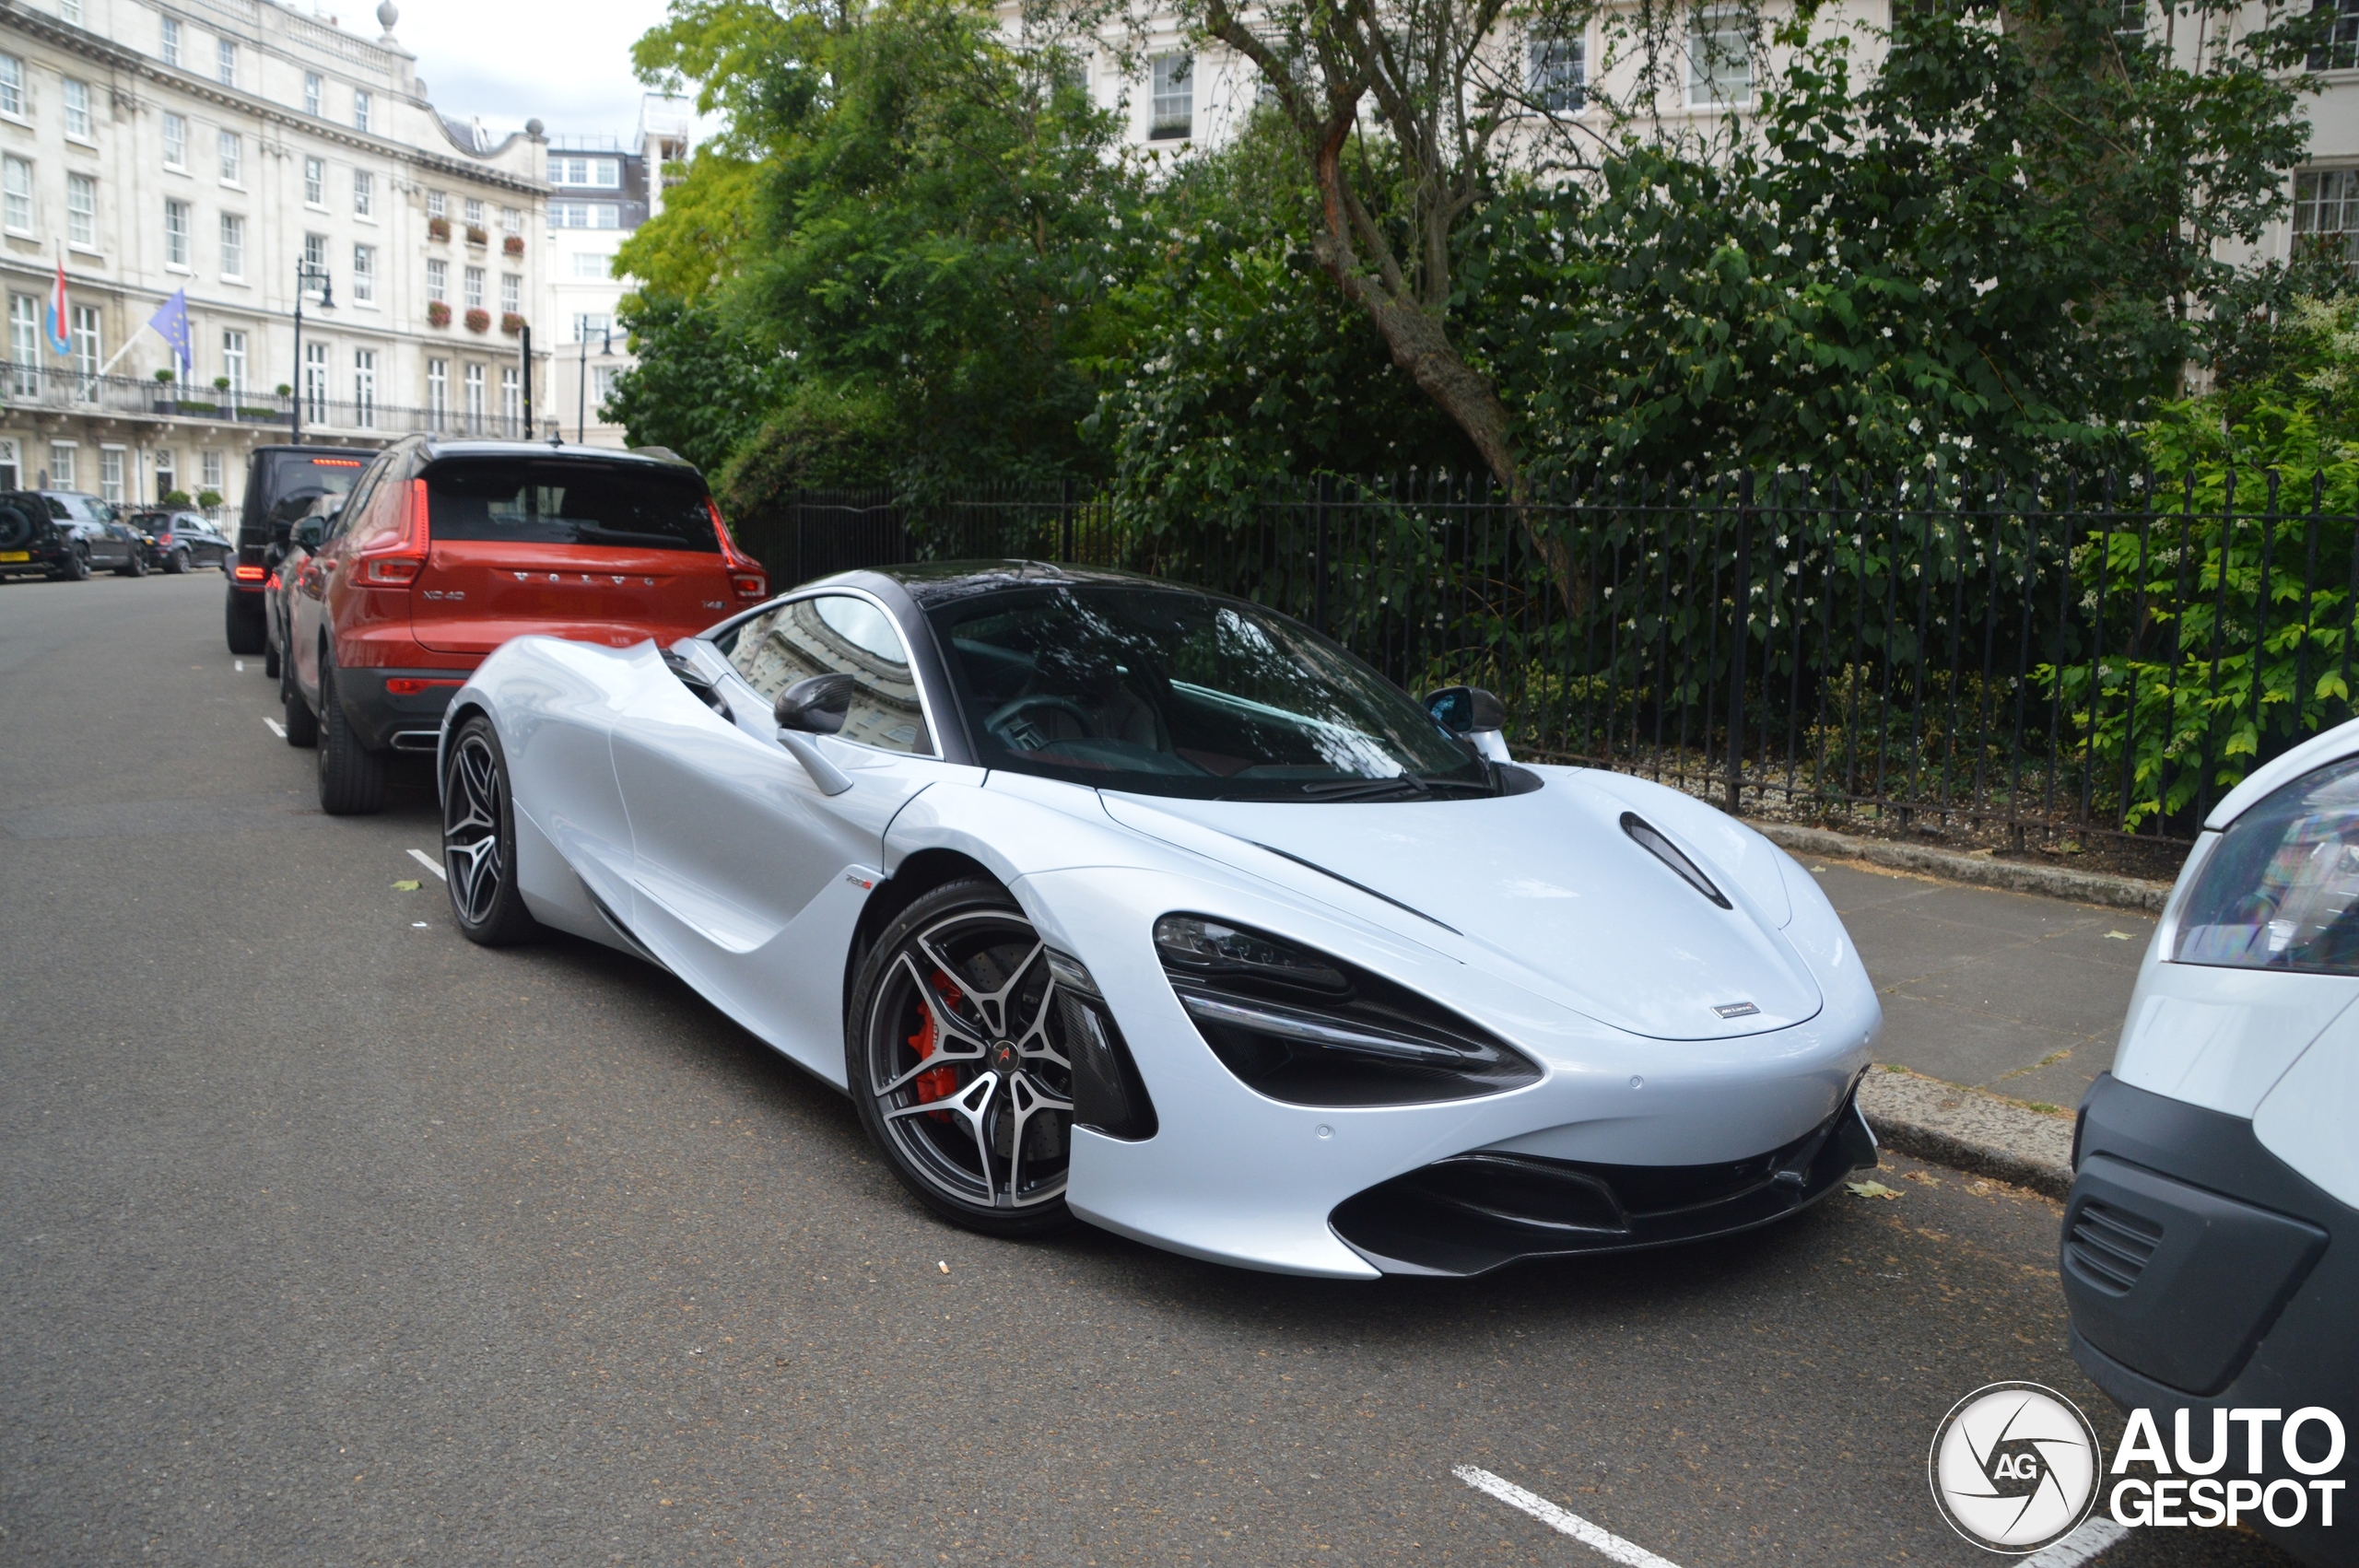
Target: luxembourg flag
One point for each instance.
(59, 341)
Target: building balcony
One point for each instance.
(38, 389)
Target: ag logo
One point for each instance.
(2014, 1466)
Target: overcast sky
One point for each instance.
(564, 62)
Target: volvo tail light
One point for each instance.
(746, 577)
(394, 558)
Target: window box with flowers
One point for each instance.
(478, 320)
(438, 314)
(438, 229)
(477, 234)
(510, 322)
(513, 245)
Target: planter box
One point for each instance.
(478, 321)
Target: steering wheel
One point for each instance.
(1008, 716)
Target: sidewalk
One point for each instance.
(2012, 994)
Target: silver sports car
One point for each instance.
(1112, 899)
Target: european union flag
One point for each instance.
(170, 321)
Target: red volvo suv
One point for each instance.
(448, 547)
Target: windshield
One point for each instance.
(1169, 692)
(291, 478)
(566, 501)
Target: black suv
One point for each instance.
(64, 533)
(280, 485)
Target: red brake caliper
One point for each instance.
(943, 1082)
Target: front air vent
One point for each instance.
(2110, 1246)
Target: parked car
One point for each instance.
(66, 534)
(287, 557)
(2211, 1254)
(1112, 899)
(280, 482)
(177, 539)
(447, 548)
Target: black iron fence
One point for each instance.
(2090, 656)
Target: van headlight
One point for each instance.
(2281, 889)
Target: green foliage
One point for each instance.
(821, 438)
(208, 500)
(910, 226)
(1236, 365)
(698, 388)
(1983, 250)
(177, 498)
(2244, 641)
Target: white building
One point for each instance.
(599, 192)
(213, 145)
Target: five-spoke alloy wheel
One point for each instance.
(479, 838)
(956, 1058)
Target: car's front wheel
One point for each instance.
(479, 839)
(958, 1063)
(352, 777)
(77, 567)
(136, 566)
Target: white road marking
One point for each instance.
(423, 858)
(276, 728)
(418, 925)
(1605, 1542)
(2088, 1544)
(241, 666)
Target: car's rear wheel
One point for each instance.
(352, 777)
(479, 839)
(302, 724)
(241, 623)
(176, 564)
(958, 1063)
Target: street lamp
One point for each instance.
(306, 274)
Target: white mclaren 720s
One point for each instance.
(1111, 899)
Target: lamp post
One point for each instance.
(306, 274)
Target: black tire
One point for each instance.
(242, 624)
(176, 564)
(77, 567)
(269, 659)
(302, 724)
(479, 839)
(135, 566)
(352, 777)
(992, 1158)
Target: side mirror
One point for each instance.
(1466, 711)
(815, 705)
(309, 532)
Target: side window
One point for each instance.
(836, 633)
(361, 512)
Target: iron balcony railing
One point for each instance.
(73, 391)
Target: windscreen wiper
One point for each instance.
(1368, 789)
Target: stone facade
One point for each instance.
(211, 145)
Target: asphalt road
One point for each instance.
(329, 1238)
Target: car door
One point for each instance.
(747, 875)
(307, 592)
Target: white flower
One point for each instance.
(1985, 285)
(1887, 332)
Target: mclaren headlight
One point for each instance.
(1313, 1030)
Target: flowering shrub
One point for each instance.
(438, 314)
(476, 235)
(513, 245)
(438, 229)
(478, 320)
(510, 322)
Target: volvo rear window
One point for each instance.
(566, 501)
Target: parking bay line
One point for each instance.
(276, 727)
(423, 858)
(1630, 1554)
(2084, 1546)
